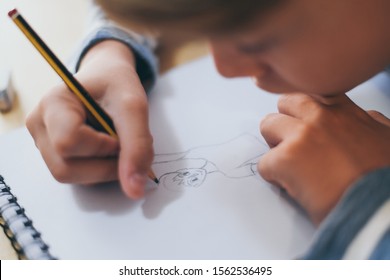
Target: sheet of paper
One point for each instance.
(210, 204)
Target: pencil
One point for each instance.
(96, 116)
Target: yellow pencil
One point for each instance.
(97, 117)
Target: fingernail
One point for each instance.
(137, 183)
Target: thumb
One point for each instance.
(136, 143)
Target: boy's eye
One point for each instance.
(256, 47)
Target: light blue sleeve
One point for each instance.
(143, 46)
(382, 250)
(351, 214)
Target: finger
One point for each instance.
(72, 141)
(136, 149)
(297, 105)
(379, 117)
(88, 170)
(269, 166)
(303, 106)
(64, 118)
(276, 127)
(81, 170)
(84, 170)
(275, 167)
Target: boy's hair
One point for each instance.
(197, 17)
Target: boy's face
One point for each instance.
(318, 47)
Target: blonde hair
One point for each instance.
(202, 17)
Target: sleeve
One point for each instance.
(143, 46)
(359, 226)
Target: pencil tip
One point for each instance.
(156, 181)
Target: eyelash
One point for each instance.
(257, 48)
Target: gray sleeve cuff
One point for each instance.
(146, 60)
(350, 215)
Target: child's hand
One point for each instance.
(319, 150)
(75, 152)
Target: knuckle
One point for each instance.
(61, 172)
(266, 122)
(32, 120)
(303, 133)
(266, 165)
(41, 110)
(48, 99)
(284, 100)
(319, 112)
(132, 101)
(263, 168)
(64, 144)
(298, 100)
(303, 130)
(289, 156)
(284, 97)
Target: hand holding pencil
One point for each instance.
(74, 151)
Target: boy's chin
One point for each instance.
(272, 87)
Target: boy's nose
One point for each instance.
(231, 63)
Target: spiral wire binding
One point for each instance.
(18, 228)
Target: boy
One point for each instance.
(327, 153)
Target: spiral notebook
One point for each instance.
(210, 203)
(24, 238)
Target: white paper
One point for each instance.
(210, 204)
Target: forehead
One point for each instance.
(288, 15)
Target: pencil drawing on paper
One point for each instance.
(236, 158)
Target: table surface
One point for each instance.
(32, 77)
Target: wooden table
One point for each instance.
(62, 24)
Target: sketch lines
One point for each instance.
(236, 158)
